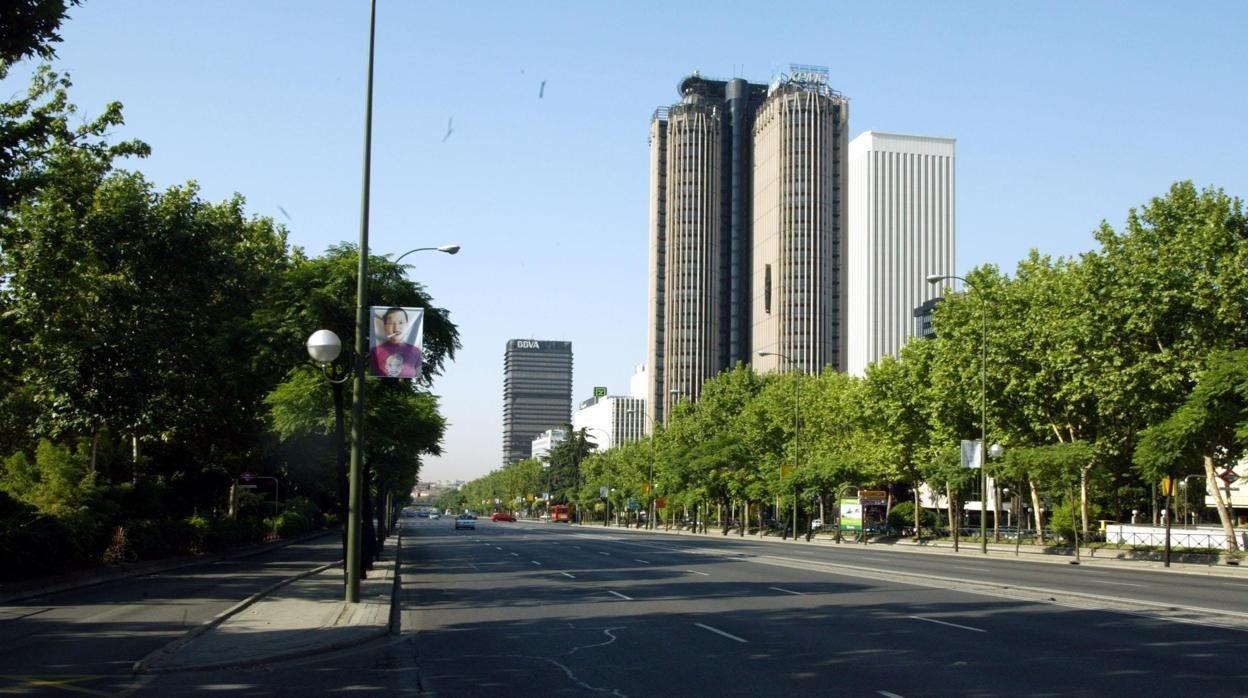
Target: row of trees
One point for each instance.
(156, 348)
(1104, 373)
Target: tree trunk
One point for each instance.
(1083, 497)
(1035, 506)
(1224, 514)
(953, 524)
(918, 522)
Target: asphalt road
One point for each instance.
(531, 609)
(523, 609)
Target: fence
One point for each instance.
(1192, 537)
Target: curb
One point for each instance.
(143, 665)
(391, 627)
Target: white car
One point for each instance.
(435, 516)
(467, 521)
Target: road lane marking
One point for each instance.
(888, 694)
(515, 554)
(626, 598)
(567, 575)
(952, 625)
(704, 574)
(536, 563)
(787, 591)
(498, 547)
(717, 631)
(978, 569)
(644, 562)
(603, 553)
(1121, 584)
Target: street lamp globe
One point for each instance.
(324, 346)
(995, 451)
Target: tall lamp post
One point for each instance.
(983, 411)
(325, 347)
(797, 456)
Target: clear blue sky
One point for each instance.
(1065, 114)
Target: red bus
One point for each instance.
(560, 512)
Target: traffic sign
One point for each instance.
(1228, 476)
(872, 498)
(600, 391)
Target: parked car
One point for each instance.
(434, 516)
(501, 516)
(465, 521)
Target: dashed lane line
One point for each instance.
(951, 625)
(626, 598)
(721, 633)
(787, 591)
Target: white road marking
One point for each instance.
(644, 562)
(567, 575)
(536, 563)
(787, 591)
(977, 569)
(626, 598)
(1121, 584)
(704, 574)
(888, 694)
(515, 554)
(717, 631)
(952, 625)
(602, 553)
(498, 547)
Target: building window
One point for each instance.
(767, 289)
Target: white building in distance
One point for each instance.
(901, 229)
(546, 441)
(611, 420)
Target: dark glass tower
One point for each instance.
(537, 393)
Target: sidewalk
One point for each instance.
(297, 617)
(1189, 563)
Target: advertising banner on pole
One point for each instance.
(851, 515)
(972, 453)
(394, 348)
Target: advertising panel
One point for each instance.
(851, 514)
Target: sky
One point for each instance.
(519, 130)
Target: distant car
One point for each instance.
(500, 516)
(465, 521)
(435, 516)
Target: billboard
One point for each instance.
(394, 347)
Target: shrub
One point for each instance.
(299, 516)
(1066, 515)
(901, 516)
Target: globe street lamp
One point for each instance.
(983, 409)
(797, 458)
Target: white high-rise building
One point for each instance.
(611, 420)
(901, 229)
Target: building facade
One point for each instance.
(901, 229)
(700, 183)
(799, 192)
(546, 441)
(612, 420)
(537, 393)
(703, 200)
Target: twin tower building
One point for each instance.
(771, 232)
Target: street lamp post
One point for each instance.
(325, 348)
(983, 410)
(797, 458)
(650, 478)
